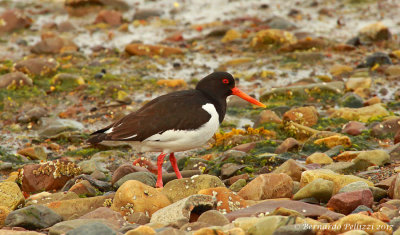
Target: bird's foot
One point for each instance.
(160, 161)
(159, 184)
(174, 164)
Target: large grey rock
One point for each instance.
(355, 186)
(178, 189)
(66, 226)
(56, 126)
(319, 189)
(144, 177)
(213, 217)
(33, 217)
(94, 228)
(181, 210)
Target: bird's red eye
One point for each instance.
(226, 81)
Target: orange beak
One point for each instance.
(241, 94)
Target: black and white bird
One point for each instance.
(177, 121)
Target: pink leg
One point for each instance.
(160, 161)
(172, 159)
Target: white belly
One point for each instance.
(181, 140)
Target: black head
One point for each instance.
(217, 85)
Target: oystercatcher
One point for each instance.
(177, 121)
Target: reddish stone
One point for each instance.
(245, 147)
(307, 116)
(106, 213)
(83, 188)
(151, 50)
(13, 20)
(391, 126)
(111, 17)
(354, 128)
(268, 206)
(397, 137)
(49, 176)
(227, 200)
(125, 169)
(268, 186)
(235, 178)
(288, 145)
(345, 203)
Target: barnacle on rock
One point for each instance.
(257, 133)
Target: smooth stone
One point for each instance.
(378, 193)
(354, 128)
(361, 208)
(292, 168)
(319, 189)
(4, 211)
(391, 126)
(144, 177)
(110, 17)
(267, 116)
(319, 158)
(268, 186)
(33, 217)
(99, 184)
(56, 126)
(338, 180)
(11, 195)
(46, 197)
(359, 220)
(14, 78)
(238, 185)
(94, 228)
(227, 200)
(184, 210)
(138, 218)
(266, 225)
(66, 226)
(178, 189)
(288, 145)
(351, 100)
(214, 218)
(84, 188)
(134, 196)
(125, 169)
(301, 90)
(294, 229)
(345, 203)
(360, 114)
(32, 115)
(347, 167)
(376, 157)
(229, 169)
(106, 213)
(268, 206)
(37, 66)
(380, 58)
(194, 226)
(307, 116)
(374, 32)
(74, 208)
(355, 186)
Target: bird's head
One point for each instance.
(221, 85)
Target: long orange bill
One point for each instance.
(241, 94)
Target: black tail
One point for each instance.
(98, 136)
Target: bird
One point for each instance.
(177, 121)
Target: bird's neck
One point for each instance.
(219, 104)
